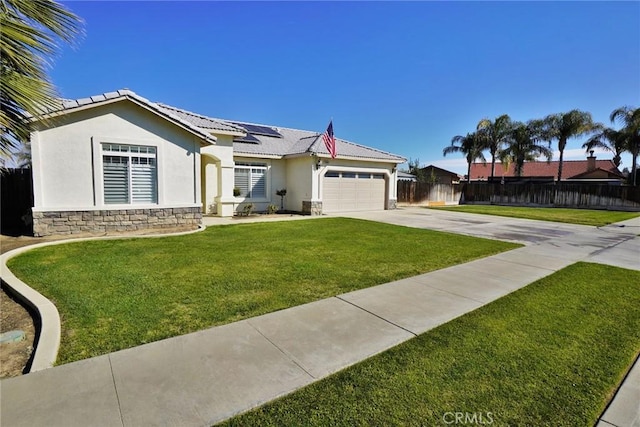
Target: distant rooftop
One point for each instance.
(543, 169)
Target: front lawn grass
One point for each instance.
(116, 294)
(549, 354)
(596, 218)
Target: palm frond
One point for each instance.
(30, 33)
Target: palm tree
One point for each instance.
(564, 126)
(495, 135)
(609, 139)
(470, 145)
(630, 119)
(29, 31)
(523, 146)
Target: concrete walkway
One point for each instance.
(205, 377)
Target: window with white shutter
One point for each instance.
(129, 174)
(251, 180)
(242, 181)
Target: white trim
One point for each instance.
(98, 178)
(359, 159)
(36, 168)
(197, 174)
(114, 207)
(258, 156)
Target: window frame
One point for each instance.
(133, 156)
(250, 167)
(97, 143)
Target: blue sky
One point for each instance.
(403, 77)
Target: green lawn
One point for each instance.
(549, 354)
(595, 218)
(116, 294)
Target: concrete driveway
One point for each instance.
(617, 244)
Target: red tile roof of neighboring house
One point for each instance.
(570, 169)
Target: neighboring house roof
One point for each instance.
(404, 176)
(442, 171)
(611, 174)
(570, 169)
(66, 106)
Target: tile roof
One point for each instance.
(293, 141)
(570, 169)
(64, 105)
(201, 121)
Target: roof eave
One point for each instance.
(257, 155)
(210, 139)
(365, 159)
(226, 132)
(65, 111)
(298, 155)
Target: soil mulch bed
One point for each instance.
(14, 356)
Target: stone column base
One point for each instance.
(311, 208)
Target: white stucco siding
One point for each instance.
(68, 158)
(300, 173)
(217, 177)
(278, 181)
(179, 165)
(62, 168)
(211, 184)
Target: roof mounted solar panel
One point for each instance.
(259, 130)
(248, 138)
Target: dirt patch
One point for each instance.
(15, 355)
(14, 316)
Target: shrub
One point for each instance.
(248, 209)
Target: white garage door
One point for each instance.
(353, 191)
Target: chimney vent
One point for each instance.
(591, 162)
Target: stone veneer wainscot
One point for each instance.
(119, 220)
(311, 208)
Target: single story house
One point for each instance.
(590, 169)
(119, 162)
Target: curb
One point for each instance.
(47, 339)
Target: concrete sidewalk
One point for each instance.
(205, 377)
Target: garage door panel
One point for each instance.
(353, 192)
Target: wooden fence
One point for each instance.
(423, 193)
(573, 195)
(16, 201)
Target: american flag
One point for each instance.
(329, 140)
